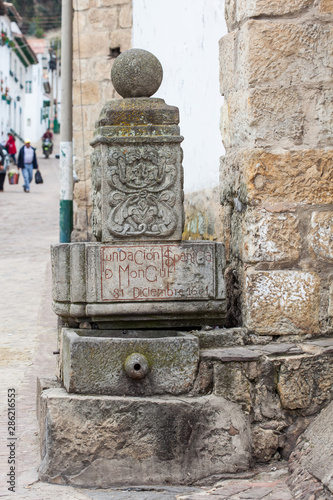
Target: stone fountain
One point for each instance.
(127, 408)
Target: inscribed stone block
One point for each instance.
(281, 302)
(154, 282)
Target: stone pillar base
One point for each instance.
(104, 441)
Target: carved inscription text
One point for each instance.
(157, 272)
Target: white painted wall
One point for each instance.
(34, 125)
(5, 78)
(184, 35)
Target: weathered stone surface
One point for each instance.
(128, 282)
(88, 49)
(326, 6)
(255, 175)
(241, 354)
(305, 384)
(282, 302)
(227, 63)
(136, 73)
(272, 237)
(239, 10)
(215, 338)
(135, 115)
(132, 272)
(90, 93)
(225, 214)
(232, 384)
(302, 115)
(247, 119)
(330, 303)
(94, 362)
(97, 21)
(265, 443)
(282, 387)
(276, 54)
(102, 19)
(125, 16)
(321, 235)
(129, 441)
(139, 174)
(108, 3)
(121, 38)
(313, 457)
(292, 434)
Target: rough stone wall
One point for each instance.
(101, 28)
(276, 181)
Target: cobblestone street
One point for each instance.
(29, 224)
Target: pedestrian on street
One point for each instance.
(48, 135)
(3, 139)
(11, 146)
(27, 161)
(2, 168)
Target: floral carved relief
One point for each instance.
(141, 182)
(96, 194)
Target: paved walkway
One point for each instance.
(29, 224)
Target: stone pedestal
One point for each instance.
(137, 172)
(139, 285)
(103, 441)
(137, 275)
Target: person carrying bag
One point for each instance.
(27, 161)
(3, 168)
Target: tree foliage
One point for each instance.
(39, 15)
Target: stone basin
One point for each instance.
(128, 362)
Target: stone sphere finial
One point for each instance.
(136, 73)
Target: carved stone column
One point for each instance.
(137, 162)
(139, 273)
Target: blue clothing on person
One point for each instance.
(27, 173)
(27, 161)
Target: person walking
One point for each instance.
(2, 168)
(48, 135)
(11, 146)
(27, 161)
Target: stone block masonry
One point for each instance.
(130, 441)
(275, 179)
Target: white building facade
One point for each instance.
(184, 35)
(24, 107)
